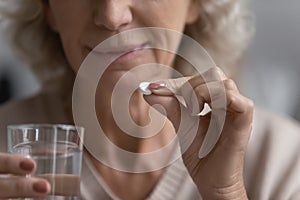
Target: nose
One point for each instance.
(113, 14)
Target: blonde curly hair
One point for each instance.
(223, 29)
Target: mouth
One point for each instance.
(120, 54)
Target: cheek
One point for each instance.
(71, 30)
(73, 51)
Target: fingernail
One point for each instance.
(40, 187)
(27, 165)
(157, 85)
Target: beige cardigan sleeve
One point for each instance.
(272, 166)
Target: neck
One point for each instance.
(128, 186)
(124, 184)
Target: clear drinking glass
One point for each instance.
(57, 151)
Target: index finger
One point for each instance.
(15, 164)
(182, 86)
(169, 87)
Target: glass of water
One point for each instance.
(57, 151)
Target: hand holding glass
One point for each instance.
(57, 151)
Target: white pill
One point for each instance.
(144, 88)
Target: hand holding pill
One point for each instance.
(223, 157)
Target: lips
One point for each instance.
(119, 50)
(122, 50)
(120, 54)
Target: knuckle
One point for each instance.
(216, 71)
(13, 187)
(231, 96)
(229, 84)
(250, 104)
(10, 163)
(20, 186)
(201, 91)
(5, 163)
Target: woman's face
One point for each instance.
(83, 24)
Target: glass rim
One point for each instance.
(32, 126)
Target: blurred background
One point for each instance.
(16, 81)
(272, 73)
(271, 76)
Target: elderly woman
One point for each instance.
(55, 36)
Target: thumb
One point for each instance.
(168, 106)
(168, 94)
(169, 87)
(174, 109)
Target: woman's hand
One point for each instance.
(219, 175)
(14, 184)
